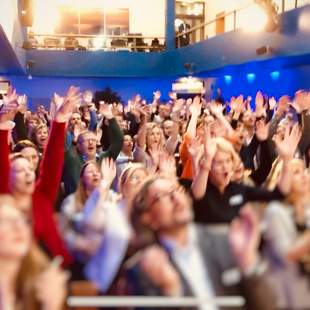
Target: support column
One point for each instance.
(170, 17)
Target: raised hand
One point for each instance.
(167, 165)
(272, 103)
(65, 110)
(106, 110)
(244, 237)
(108, 170)
(301, 102)
(8, 109)
(155, 264)
(196, 150)
(262, 130)
(286, 148)
(50, 288)
(195, 107)
(216, 109)
(259, 104)
(157, 95)
(209, 145)
(155, 151)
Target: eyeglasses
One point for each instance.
(171, 194)
(13, 221)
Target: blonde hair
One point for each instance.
(225, 146)
(128, 172)
(149, 130)
(30, 267)
(276, 170)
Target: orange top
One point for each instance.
(186, 158)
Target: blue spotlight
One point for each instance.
(251, 77)
(275, 75)
(228, 79)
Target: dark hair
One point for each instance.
(138, 207)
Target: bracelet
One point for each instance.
(104, 184)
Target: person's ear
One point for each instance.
(147, 220)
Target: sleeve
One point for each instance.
(4, 162)
(184, 156)
(116, 138)
(260, 194)
(93, 121)
(305, 137)
(52, 163)
(20, 128)
(261, 173)
(279, 238)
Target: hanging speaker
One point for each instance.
(26, 14)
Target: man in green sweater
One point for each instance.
(86, 149)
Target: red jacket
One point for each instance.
(43, 199)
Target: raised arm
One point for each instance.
(53, 158)
(7, 113)
(199, 185)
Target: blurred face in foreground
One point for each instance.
(167, 206)
(15, 230)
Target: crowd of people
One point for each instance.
(178, 198)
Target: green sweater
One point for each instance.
(74, 161)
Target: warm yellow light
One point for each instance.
(46, 16)
(98, 43)
(253, 19)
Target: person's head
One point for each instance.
(167, 127)
(127, 144)
(122, 123)
(90, 176)
(223, 164)
(248, 119)
(131, 178)
(18, 248)
(162, 111)
(15, 230)
(29, 151)
(300, 178)
(40, 135)
(161, 206)
(239, 171)
(240, 136)
(32, 121)
(75, 119)
(154, 135)
(22, 175)
(87, 144)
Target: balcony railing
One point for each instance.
(131, 43)
(230, 22)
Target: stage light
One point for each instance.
(261, 15)
(227, 79)
(251, 77)
(275, 75)
(46, 17)
(98, 43)
(253, 19)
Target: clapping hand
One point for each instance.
(286, 148)
(244, 237)
(108, 170)
(8, 109)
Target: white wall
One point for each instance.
(8, 13)
(145, 16)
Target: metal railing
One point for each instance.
(231, 18)
(161, 302)
(131, 43)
